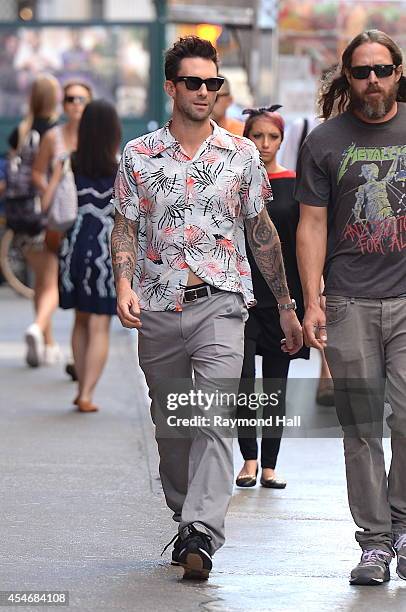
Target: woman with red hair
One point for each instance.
(263, 334)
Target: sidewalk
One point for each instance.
(82, 509)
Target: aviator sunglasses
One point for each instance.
(73, 99)
(194, 83)
(381, 71)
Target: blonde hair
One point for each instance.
(43, 102)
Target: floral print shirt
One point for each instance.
(190, 212)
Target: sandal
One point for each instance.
(86, 406)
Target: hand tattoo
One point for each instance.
(124, 247)
(266, 249)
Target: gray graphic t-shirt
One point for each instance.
(358, 170)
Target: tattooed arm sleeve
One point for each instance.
(124, 248)
(266, 249)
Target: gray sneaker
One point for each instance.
(399, 545)
(373, 568)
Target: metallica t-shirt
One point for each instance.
(358, 170)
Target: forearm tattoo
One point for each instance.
(124, 247)
(266, 249)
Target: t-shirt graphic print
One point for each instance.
(378, 220)
(358, 171)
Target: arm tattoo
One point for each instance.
(124, 247)
(266, 249)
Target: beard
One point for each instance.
(373, 108)
(194, 114)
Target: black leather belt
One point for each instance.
(191, 295)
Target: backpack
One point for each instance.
(22, 202)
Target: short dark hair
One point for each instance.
(98, 141)
(334, 94)
(188, 46)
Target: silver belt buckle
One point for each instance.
(195, 296)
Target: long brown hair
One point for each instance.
(334, 94)
(43, 102)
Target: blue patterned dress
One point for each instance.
(85, 271)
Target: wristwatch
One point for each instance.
(291, 306)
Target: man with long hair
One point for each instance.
(182, 197)
(351, 185)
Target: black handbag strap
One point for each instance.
(304, 132)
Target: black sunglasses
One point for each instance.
(194, 83)
(72, 99)
(381, 71)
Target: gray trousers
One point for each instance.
(366, 354)
(200, 347)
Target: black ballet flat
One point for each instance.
(273, 483)
(247, 481)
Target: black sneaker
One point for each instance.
(194, 554)
(372, 569)
(399, 545)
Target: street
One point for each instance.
(82, 508)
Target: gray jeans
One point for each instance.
(202, 348)
(366, 354)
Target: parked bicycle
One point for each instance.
(13, 266)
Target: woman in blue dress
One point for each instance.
(86, 280)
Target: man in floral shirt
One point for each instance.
(182, 196)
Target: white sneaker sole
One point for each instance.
(33, 358)
(368, 581)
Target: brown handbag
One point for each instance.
(53, 240)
